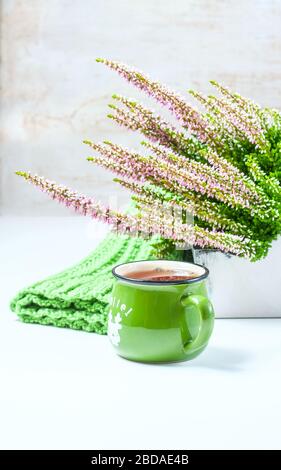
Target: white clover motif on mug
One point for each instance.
(114, 326)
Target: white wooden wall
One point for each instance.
(54, 95)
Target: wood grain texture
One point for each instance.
(54, 95)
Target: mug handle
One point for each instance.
(205, 313)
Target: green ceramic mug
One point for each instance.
(160, 321)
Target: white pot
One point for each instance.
(240, 288)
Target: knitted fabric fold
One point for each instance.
(78, 297)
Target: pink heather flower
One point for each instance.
(230, 178)
(194, 235)
(234, 119)
(192, 203)
(240, 121)
(152, 126)
(149, 222)
(157, 130)
(165, 171)
(252, 110)
(189, 117)
(198, 174)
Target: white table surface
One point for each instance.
(67, 389)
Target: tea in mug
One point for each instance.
(161, 275)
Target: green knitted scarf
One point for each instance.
(78, 297)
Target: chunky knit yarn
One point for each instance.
(78, 297)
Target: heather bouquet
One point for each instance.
(220, 164)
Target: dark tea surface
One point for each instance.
(161, 275)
